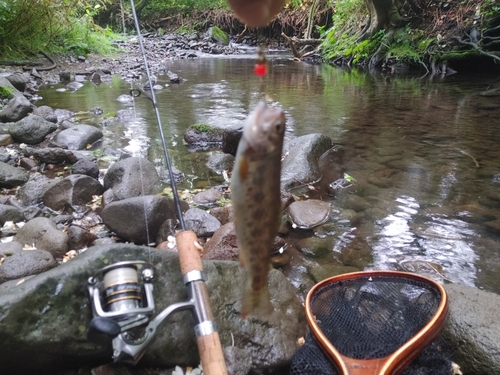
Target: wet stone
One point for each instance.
(315, 247)
(354, 202)
(308, 214)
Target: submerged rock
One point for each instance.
(49, 316)
(308, 214)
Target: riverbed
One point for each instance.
(427, 149)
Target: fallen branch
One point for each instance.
(294, 42)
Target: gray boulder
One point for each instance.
(31, 192)
(9, 248)
(132, 177)
(71, 192)
(46, 318)
(138, 219)
(78, 137)
(87, 167)
(42, 233)
(12, 176)
(63, 114)
(26, 263)
(19, 80)
(10, 213)
(31, 130)
(9, 88)
(16, 109)
(201, 222)
(46, 112)
(474, 329)
(207, 197)
(300, 166)
(53, 155)
(222, 245)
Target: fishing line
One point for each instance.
(152, 97)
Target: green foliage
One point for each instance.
(6, 92)
(28, 26)
(408, 45)
(202, 128)
(156, 7)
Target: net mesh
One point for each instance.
(366, 318)
(309, 359)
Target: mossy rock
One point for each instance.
(218, 35)
(6, 92)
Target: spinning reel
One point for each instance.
(122, 302)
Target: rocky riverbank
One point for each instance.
(64, 216)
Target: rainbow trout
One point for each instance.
(255, 191)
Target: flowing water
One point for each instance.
(425, 153)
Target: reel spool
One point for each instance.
(375, 322)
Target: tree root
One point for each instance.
(477, 48)
(53, 64)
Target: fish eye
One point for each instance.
(278, 126)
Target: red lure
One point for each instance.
(260, 68)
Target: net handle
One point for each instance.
(397, 361)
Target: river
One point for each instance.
(427, 149)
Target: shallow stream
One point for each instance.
(427, 149)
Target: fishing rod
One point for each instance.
(123, 307)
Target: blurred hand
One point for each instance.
(256, 13)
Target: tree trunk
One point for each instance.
(383, 15)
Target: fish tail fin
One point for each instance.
(256, 301)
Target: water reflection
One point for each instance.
(404, 236)
(425, 154)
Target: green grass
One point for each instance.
(6, 92)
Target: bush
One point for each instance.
(28, 26)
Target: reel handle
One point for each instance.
(209, 346)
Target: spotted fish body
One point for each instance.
(255, 191)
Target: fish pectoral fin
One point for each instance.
(243, 169)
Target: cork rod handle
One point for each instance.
(209, 346)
